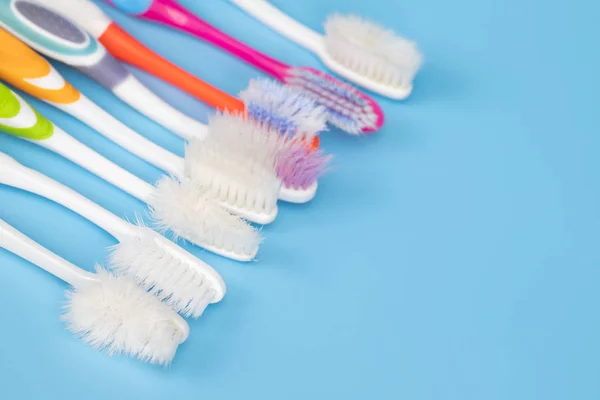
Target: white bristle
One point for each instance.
(189, 211)
(163, 273)
(371, 50)
(293, 111)
(114, 314)
(237, 163)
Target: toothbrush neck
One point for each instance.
(169, 12)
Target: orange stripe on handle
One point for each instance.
(18, 63)
(128, 49)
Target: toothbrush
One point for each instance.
(255, 111)
(199, 220)
(158, 265)
(252, 203)
(55, 36)
(108, 312)
(359, 50)
(30, 72)
(348, 108)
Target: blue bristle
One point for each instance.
(283, 108)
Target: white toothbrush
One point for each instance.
(108, 312)
(198, 218)
(359, 50)
(172, 274)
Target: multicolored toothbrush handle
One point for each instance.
(26, 70)
(126, 48)
(171, 13)
(18, 118)
(57, 37)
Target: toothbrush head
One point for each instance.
(114, 314)
(170, 273)
(236, 163)
(290, 120)
(188, 211)
(300, 168)
(347, 108)
(283, 108)
(370, 55)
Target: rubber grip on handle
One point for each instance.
(18, 118)
(128, 49)
(25, 69)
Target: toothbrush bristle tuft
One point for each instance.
(115, 315)
(372, 51)
(188, 211)
(236, 162)
(283, 108)
(347, 108)
(300, 167)
(158, 270)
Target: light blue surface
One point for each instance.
(454, 255)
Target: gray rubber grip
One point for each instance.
(51, 22)
(108, 72)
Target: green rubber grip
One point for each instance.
(18, 118)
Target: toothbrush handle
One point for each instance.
(26, 248)
(126, 48)
(27, 70)
(280, 22)
(18, 118)
(18, 176)
(92, 115)
(24, 68)
(170, 13)
(58, 37)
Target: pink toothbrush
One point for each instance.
(348, 108)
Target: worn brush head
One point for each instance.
(114, 314)
(371, 55)
(347, 108)
(300, 168)
(167, 271)
(236, 163)
(291, 120)
(283, 108)
(188, 211)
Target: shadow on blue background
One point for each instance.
(451, 256)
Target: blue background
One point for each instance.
(453, 255)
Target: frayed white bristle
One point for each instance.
(371, 50)
(114, 314)
(284, 108)
(189, 211)
(163, 273)
(236, 162)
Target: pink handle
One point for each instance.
(169, 12)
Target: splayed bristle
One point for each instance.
(372, 51)
(190, 211)
(283, 108)
(299, 167)
(152, 263)
(115, 315)
(347, 108)
(237, 163)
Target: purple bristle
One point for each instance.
(299, 167)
